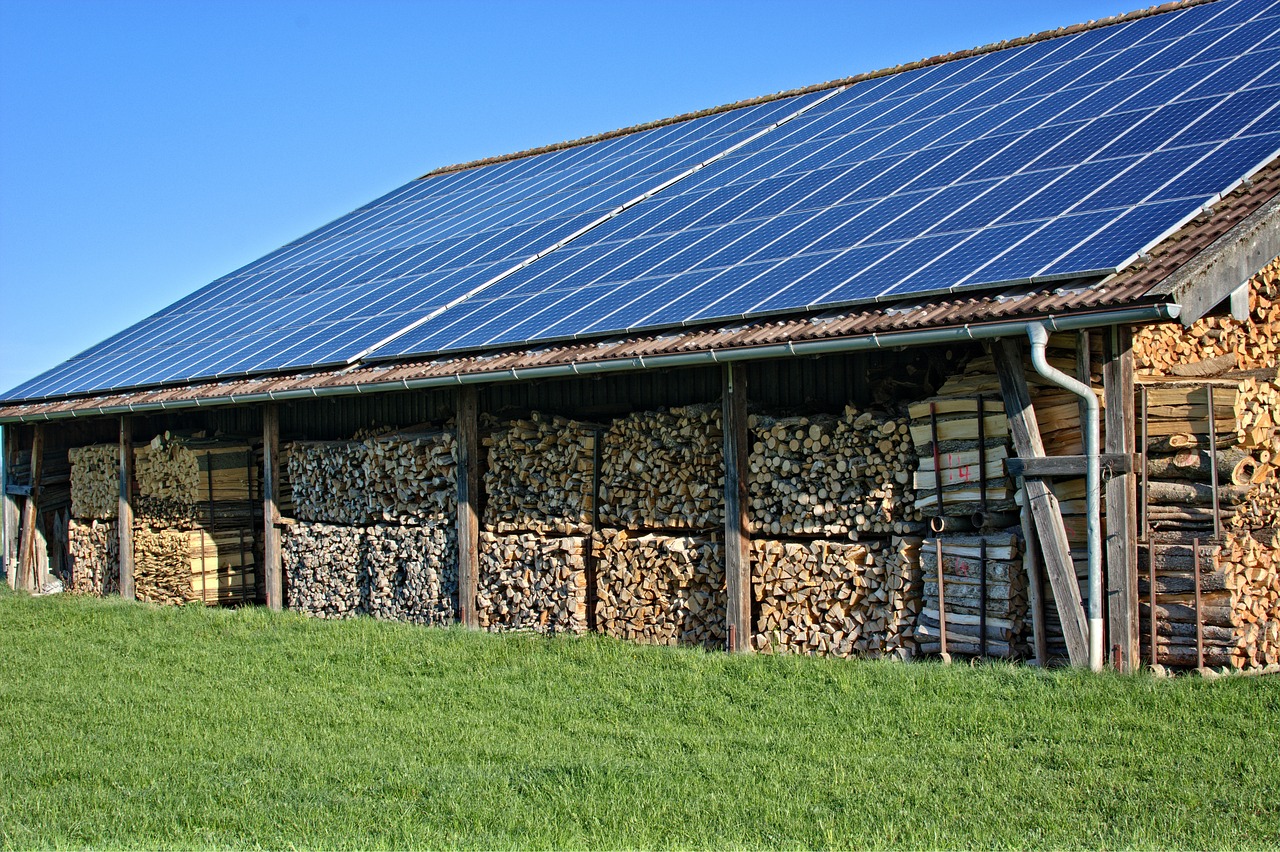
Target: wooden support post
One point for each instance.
(1055, 550)
(9, 506)
(270, 511)
(28, 573)
(124, 515)
(737, 541)
(1121, 498)
(468, 506)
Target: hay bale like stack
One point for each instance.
(400, 573)
(823, 475)
(94, 547)
(962, 595)
(528, 582)
(95, 481)
(661, 590)
(836, 599)
(664, 470)
(539, 476)
(162, 565)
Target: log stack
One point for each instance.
(836, 599)
(167, 473)
(402, 573)
(847, 475)
(661, 589)
(664, 470)
(529, 582)
(162, 565)
(327, 482)
(539, 476)
(962, 598)
(95, 481)
(94, 565)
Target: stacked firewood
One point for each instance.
(836, 599)
(95, 481)
(970, 450)
(162, 565)
(823, 475)
(529, 582)
(539, 476)
(168, 477)
(962, 599)
(1214, 343)
(1240, 573)
(403, 573)
(661, 590)
(223, 565)
(403, 477)
(94, 548)
(664, 470)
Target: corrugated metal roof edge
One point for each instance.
(1137, 14)
(1079, 300)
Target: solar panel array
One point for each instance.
(1063, 157)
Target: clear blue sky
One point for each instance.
(148, 147)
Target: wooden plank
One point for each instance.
(124, 516)
(272, 568)
(737, 544)
(1051, 466)
(1121, 498)
(1055, 549)
(27, 571)
(962, 429)
(468, 506)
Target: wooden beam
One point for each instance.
(124, 515)
(1051, 466)
(468, 506)
(737, 543)
(1121, 497)
(270, 510)
(28, 578)
(1055, 550)
(12, 515)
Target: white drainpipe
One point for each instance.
(1093, 483)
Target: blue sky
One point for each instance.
(146, 147)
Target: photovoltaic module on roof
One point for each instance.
(1062, 157)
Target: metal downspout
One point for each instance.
(1093, 482)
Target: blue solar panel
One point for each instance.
(1062, 157)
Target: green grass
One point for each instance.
(127, 725)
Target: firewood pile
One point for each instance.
(167, 473)
(406, 477)
(963, 600)
(94, 548)
(1214, 343)
(533, 583)
(539, 476)
(837, 599)
(664, 470)
(162, 565)
(661, 589)
(831, 475)
(402, 573)
(95, 481)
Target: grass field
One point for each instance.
(127, 725)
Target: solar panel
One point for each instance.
(1061, 158)
(346, 286)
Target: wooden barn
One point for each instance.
(972, 356)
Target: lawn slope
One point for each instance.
(128, 725)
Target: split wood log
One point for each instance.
(983, 585)
(95, 481)
(531, 583)
(94, 564)
(162, 565)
